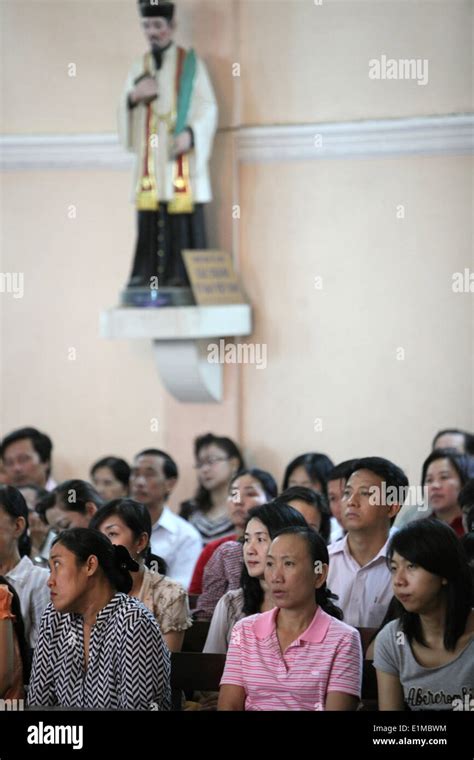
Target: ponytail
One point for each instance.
(123, 565)
(323, 599)
(114, 561)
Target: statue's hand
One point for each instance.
(181, 143)
(145, 91)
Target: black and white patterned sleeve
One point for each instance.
(145, 667)
(41, 689)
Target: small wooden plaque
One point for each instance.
(212, 277)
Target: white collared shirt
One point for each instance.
(50, 484)
(178, 543)
(29, 582)
(364, 592)
(337, 531)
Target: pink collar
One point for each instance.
(265, 625)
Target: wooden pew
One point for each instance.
(194, 671)
(369, 678)
(195, 637)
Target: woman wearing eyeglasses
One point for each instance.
(217, 461)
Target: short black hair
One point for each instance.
(468, 438)
(41, 442)
(314, 499)
(170, 468)
(340, 471)
(389, 472)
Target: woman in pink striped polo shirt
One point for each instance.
(298, 656)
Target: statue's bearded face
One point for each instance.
(158, 31)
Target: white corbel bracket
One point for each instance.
(181, 336)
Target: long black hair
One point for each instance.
(14, 504)
(434, 546)
(318, 552)
(19, 630)
(114, 561)
(202, 499)
(274, 516)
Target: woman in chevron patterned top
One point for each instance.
(128, 523)
(98, 647)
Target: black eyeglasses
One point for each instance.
(210, 461)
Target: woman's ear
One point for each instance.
(142, 543)
(321, 570)
(91, 509)
(20, 525)
(92, 563)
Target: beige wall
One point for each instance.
(331, 353)
(386, 284)
(93, 396)
(100, 38)
(302, 62)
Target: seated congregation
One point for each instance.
(333, 594)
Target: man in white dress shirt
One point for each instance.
(153, 477)
(358, 571)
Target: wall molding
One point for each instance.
(431, 135)
(79, 151)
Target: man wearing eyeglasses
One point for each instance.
(153, 477)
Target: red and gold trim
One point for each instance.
(147, 191)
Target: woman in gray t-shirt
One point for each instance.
(425, 658)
